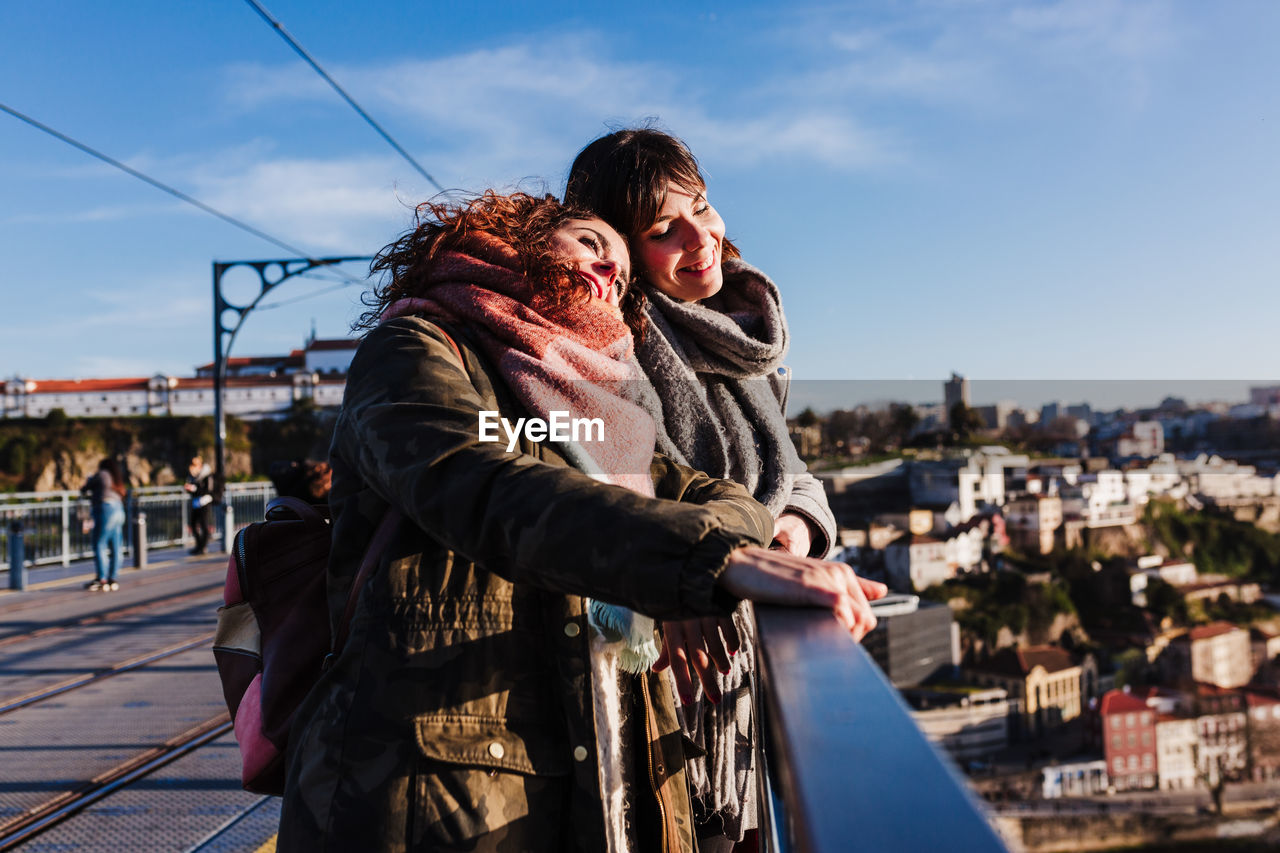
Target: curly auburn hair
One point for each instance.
(524, 222)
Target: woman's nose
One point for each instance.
(695, 236)
(608, 269)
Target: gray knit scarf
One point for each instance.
(709, 362)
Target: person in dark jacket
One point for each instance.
(199, 489)
(495, 691)
(712, 343)
(106, 490)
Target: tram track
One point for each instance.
(149, 577)
(15, 704)
(41, 818)
(110, 615)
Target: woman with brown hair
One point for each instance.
(495, 690)
(712, 344)
(106, 490)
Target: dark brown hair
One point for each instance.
(521, 221)
(112, 467)
(623, 178)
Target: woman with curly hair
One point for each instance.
(712, 343)
(495, 690)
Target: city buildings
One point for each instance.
(1128, 740)
(913, 640)
(1218, 654)
(255, 386)
(1047, 686)
(1032, 522)
(968, 722)
(1177, 742)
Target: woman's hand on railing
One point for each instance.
(697, 648)
(776, 577)
(791, 533)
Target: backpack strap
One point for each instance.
(297, 506)
(381, 538)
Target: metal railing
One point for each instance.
(849, 768)
(56, 526)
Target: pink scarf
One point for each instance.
(575, 359)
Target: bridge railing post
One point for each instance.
(17, 556)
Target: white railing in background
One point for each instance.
(56, 527)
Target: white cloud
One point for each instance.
(106, 213)
(495, 115)
(341, 205)
(1130, 31)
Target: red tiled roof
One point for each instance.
(332, 344)
(294, 359)
(1019, 662)
(77, 386)
(199, 382)
(1120, 702)
(1213, 629)
(1257, 700)
(1205, 689)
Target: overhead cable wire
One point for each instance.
(298, 49)
(179, 194)
(311, 295)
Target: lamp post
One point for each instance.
(227, 320)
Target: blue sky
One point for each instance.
(1023, 191)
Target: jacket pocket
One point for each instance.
(517, 746)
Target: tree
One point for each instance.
(964, 421)
(903, 420)
(1164, 600)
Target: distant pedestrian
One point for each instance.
(106, 490)
(199, 486)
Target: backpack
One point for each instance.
(273, 639)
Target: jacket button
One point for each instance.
(580, 753)
(571, 629)
(496, 750)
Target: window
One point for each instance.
(1115, 740)
(1148, 761)
(1129, 720)
(1133, 739)
(1133, 762)
(1118, 764)
(1146, 738)
(1146, 718)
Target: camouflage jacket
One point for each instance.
(458, 716)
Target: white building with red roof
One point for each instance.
(1218, 653)
(255, 387)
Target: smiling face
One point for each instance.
(598, 254)
(680, 253)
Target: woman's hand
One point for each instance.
(776, 577)
(696, 648)
(791, 533)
